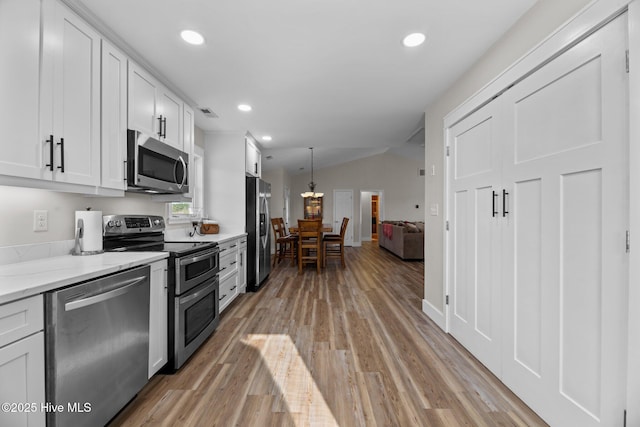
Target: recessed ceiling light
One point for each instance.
(413, 40)
(244, 107)
(266, 138)
(192, 37)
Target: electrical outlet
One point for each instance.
(40, 220)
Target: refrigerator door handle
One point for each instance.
(264, 218)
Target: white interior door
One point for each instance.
(343, 207)
(564, 261)
(553, 265)
(475, 217)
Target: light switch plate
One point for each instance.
(433, 209)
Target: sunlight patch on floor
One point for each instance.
(290, 373)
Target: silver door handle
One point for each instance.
(84, 302)
(197, 258)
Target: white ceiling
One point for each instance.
(330, 74)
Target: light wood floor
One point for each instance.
(348, 347)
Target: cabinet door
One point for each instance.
(22, 373)
(71, 75)
(22, 152)
(158, 317)
(252, 159)
(188, 141)
(170, 126)
(142, 101)
(242, 265)
(114, 117)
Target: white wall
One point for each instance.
(397, 176)
(224, 180)
(279, 180)
(19, 203)
(540, 21)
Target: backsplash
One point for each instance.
(16, 211)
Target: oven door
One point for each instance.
(153, 166)
(196, 317)
(194, 269)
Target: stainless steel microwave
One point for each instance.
(154, 166)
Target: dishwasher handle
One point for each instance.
(95, 299)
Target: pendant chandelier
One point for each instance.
(312, 185)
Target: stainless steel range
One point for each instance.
(192, 279)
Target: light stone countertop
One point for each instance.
(24, 279)
(183, 236)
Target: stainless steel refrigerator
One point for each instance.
(258, 222)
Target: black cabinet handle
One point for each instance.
(504, 203)
(233, 287)
(222, 297)
(160, 126)
(50, 164)
(164, 127)
(255, 167)
(233, 262)
(494, 212)
(61, 144)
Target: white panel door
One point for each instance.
(475, 217)
(564, 261)
(343, 207)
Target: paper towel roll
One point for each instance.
(92, 236)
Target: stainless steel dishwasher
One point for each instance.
(97, 347)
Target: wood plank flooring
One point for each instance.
(348, 347)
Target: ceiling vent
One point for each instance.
(208, 112)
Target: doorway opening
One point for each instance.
(374, 217)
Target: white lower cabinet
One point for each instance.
(242, 264)
(22, 363)
(232, 274)
(158, 301)
(228, 290)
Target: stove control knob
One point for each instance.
(111, 224)
(118, 223)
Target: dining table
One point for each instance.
(326, 228)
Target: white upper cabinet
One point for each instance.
(70, 97)
(188, 139)
(142, 101)
(253, 159)
(21, 149)
(170, 119)
(153, 109)
(114, 117)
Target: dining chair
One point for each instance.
(333, 244)
(309, 243)
(285, 243)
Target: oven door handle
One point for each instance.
(197, 258)
(207, 290)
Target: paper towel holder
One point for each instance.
(77, 248)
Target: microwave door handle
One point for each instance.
(184, 172)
